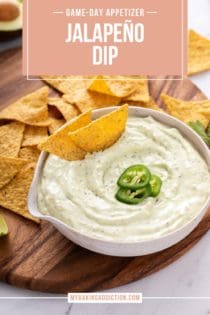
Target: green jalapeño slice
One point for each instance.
(155, 184)
(128, 196)
(134, 177)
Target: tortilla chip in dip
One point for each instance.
(141, 94)
(67, 110)
(9, 167)
(34, 135)
(186, 110)
(13, 196)
(55, 124)
(199, 53)
(103, 132)
(11, 136)
(60, 143)
(118, 86)
(29, 153)
(30, 109)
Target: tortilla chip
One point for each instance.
(66, 84)
(141, 94)
(53, 112)
(86, 100)
(205, 110)
(34, 135)
(31, 109)
(67, 110)
(11, 136)
(60, 143)
(3, 227)
(29, 153)
(100, 85)
(103, 132)
(186, 110)
(55, 124)
(150, 104)
(118, 86)
(14, 195)
(199, 53)
(9, 167)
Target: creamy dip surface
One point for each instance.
(82, 193)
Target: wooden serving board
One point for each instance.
(39, 257)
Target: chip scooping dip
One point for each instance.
(199, 53)
(186, 110)
(103, 132)
(30, 109)
(60, 143)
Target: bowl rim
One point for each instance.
(143, 112)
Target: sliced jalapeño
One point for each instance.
(128, 196)
(134, 177)
(155, 184)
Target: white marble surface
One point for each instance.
(189, 276)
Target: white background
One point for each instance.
(189, 276)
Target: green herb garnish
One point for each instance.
(199, 128)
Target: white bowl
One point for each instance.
(116, 248)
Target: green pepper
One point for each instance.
(155, 184)
(3, 227)
(134, 177)
(128, 196)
